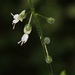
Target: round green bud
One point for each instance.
(48, 59)
(46, 40)
(50, 20)
(27, 29)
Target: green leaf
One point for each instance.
(63, 72)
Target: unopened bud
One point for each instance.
(48, 59)
(46, 40)
(27, 29)
(50, 20)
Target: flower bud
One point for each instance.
(27, 29)
(48, 59)
(46, 40)
(50, 20)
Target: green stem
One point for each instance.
(41, 16)
(30, 19)
(37, 24)
(39, 29)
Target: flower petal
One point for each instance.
(15, 21)
(25, 38)
(16, 16)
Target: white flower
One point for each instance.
(18, 17)
(16, 20)
(23, 39)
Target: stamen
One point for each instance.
(19, 42)
(11, 14)
(14, 26)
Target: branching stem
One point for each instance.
(39, 30)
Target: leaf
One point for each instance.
(63, 72)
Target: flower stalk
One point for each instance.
(48, 59)
(27, 30)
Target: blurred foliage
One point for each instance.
(29, 59)
(63, 73)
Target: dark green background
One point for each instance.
(29, 58)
